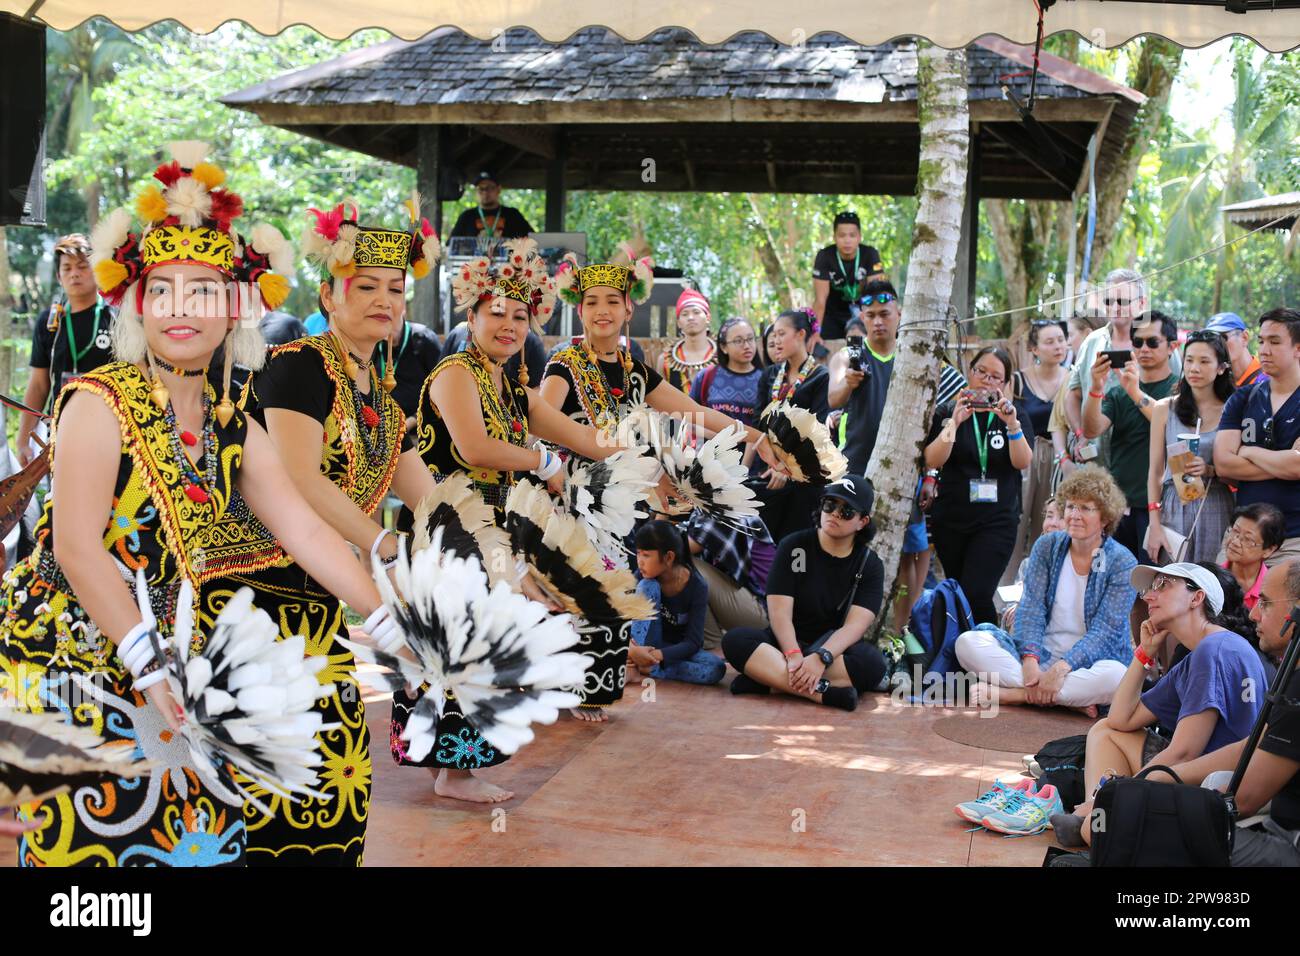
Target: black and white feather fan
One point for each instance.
(468, 526)
(501, 655)
(41, 756)
(802, 443)
(565, 565)
(607, 497)
(249, 699)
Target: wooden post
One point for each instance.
(963, 290)
(427, 306)
(555, 192)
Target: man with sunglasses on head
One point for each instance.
(1124, 299)
(1236, 339)
(824, 590)
(1258, 444)
(1125, 410)
(860, 377)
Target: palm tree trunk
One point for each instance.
(941, 193)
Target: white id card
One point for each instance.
(984, 491)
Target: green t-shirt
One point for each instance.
(1130, 438)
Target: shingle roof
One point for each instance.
(595, 65)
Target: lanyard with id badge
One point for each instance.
(983, 490)
(99, 339)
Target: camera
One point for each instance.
(854, 346)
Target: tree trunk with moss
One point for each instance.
(922, 333)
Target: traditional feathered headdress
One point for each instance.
(625, 273)
(337, 242)
(188, 217)
(802, 443)
(523, 277)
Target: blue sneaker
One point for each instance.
(1025, 813)
(974, 811)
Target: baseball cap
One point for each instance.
(485, 174)
(1142, 576)
(854, 490)
(1225, 322)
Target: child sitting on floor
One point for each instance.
(670, 646)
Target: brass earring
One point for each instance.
(158, 393)
(226, 408)
(390, 370)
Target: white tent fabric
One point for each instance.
(950, 24)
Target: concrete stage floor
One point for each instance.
(694, 776)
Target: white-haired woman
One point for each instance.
(145, 441)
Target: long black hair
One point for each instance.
(664, 538)
(801, 320)
(1235, 616)
(1184, 401)
(735, 322)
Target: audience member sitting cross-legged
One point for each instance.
(1069, 644)
(670, 646)
(823, 593)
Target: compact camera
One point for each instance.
(983, 401)
(854, 347)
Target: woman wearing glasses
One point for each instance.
(731, 386)
(1193, 504)
(823, 594)
(1257, 532)
(1070, 644)
(1210, 698)
(980, 443)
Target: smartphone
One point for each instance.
(1118, 357)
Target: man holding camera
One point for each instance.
(1125, 409)
(860, 372)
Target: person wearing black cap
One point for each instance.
(824, 591)
(489, 220)
(840, 272)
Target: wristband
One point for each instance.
(1153, 506)
(136, 649)
(550, 464)
(1096, 395)
(1142, 658)
(155, 676)
(1017, 436)
(1026, 657)
(383, 630)
(379, 539)
(792, 653)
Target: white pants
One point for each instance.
(980, 653)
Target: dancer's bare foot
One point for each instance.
(463, 785)
(591, 715)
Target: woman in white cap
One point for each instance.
(1209, 699)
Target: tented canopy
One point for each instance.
(1274, 24)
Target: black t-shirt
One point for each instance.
(507, 222)
(295, 381)
(865, 408)
(51, 348)
(1282, 739)
(953, 506)
(846, 284)
(417, 352)
(281, 327)
(819, 583)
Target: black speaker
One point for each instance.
(22, 122)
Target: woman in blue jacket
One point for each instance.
(1070, 644)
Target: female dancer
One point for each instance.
(488, 441)
(144, 441)
(597, 383)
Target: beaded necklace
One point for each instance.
(779, 387)
(198, 487)
(494, 406)
(687, 370)
(370, 424)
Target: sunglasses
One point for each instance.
(1154, 342)
(1160, 582)
(1268, 432)
(1204, 335)
(831, 505)
(880, 298)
